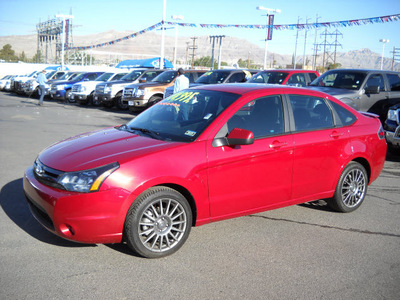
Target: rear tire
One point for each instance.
(351, 189)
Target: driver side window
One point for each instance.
(263, 117)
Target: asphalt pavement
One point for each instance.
(299, 252)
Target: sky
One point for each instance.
(19, 17)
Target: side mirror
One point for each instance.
(237, 136)
(143, 80)
(372, 90)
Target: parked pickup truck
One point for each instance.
(31, 87)
(143, 95)
(365, 90)
(83, 92)
(392, 128)
(62, 89)
(109, 94)
(18, 83)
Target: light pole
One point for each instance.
(269, 30)
(63, 37)
(176, 36)
(384, 41)
(163, 35)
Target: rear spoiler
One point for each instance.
(368, 114)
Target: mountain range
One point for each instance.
(233, 49)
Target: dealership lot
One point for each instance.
(303, 252)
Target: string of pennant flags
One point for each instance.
(307, 26)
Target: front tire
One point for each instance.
(153, 100)
(351, 189)
(158, 222)
(120, 104)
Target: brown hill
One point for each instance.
(148, 45)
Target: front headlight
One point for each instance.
(60, 87)
(140, 92)
(88, 180)
(392, 115)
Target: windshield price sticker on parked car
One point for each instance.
(184, 97)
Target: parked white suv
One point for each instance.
(83, 92)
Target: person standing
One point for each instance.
(42, 80)
(181, 82)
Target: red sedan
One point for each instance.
(203, 155)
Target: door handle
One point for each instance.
(336, 134)
(277, 144)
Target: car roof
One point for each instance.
(243, 88)
(362, 70)
(290, 70)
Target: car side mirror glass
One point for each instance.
(143, 80)
(372, 90)
(237, 136)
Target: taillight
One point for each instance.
(381, 133)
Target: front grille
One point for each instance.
(53, 87)
(76, 88)
(128, 92)
(100, 89)
(47, 175)
(40, 214)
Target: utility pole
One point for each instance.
(314, 65)
(187, 52)
(194, 47)
(396, 56)
(295, 47)
(305, 44)
(63, 37)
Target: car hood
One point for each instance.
(112, 82)
(64, 82)
(99, 148)
(150, 84)
(338, 93)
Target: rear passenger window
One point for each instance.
(312, 76)
(345, 116)
(310, 113)
(394, 81)
(297, 80)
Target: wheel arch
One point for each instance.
(364, 162)
(188, 196)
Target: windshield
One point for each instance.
(104, 77)
(78, 77)
(213, 77)
(132, 76)
(181, 117)
(49, 74)
(340, 80)
(269, 77)
(166, 77)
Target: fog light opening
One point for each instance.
(67, 230)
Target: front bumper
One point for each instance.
(393, 137)
(78, 97)
(103, 97)
(133, 103)
(57, 94)
(93, 218)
